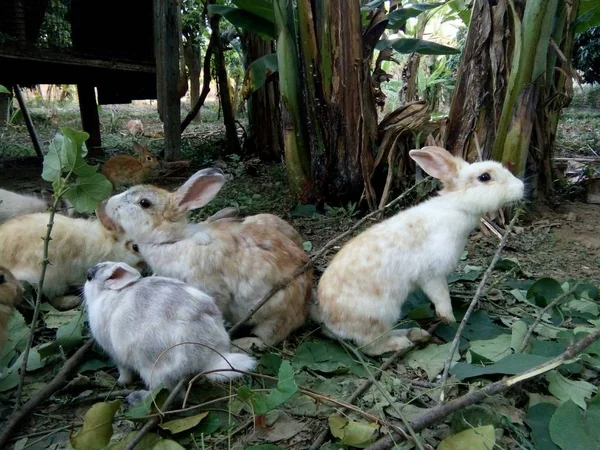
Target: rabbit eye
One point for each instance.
(89, 277)
(145, 203)
(484, 177)
(135, 248)
(2, 278)
(149, 158)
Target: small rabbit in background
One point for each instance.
(13, 204)
(125, 170)
(361, 293)
(135, 127)
(76, 245)
(235, 262)
(11, 293)
(140, 323)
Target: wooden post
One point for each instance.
(89, 118)
(166, 49)
(34, 139)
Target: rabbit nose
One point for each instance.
(2, 278)
(91, 273)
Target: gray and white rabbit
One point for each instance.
(159, 328)
(361, 293)
(13, 204)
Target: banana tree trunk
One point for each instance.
(505, 103)
(192, 61)
(339, 117)
(264, 115)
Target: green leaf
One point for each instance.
(538, 419)
(286, 389)
(167, 444)
(544, 290)
(492, 349)
(356, 434)
(588, 15)
(412, 45)
(179, 425)
(73, 152)
(468, 275)
(245, 20)
(257, 73)
(570, 390)
(431, 358)
(67, 336)
(208, 425)
(304, 211)
(325, 356)
(17, 331)
(572, 429)
(397, 18)
(307, 246)
(97, 427)
(480, 438)
(519, 330)
(260, 8)
(52, 167)
(509, 365)
(3, 90)
(87, 192)
(54, 318)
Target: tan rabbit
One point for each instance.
(76, 245)
(267, 220)
(237, 263)
(361, 293)
(10, 295)
(125, 170)
(13, 204)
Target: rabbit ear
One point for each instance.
(139, 148)
(122, 275)
(200, 189)
(104, 219)
(226, 213)
(437, 162)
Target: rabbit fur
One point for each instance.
(13, 204)
(11, 293)
(126, 170)
(76, 245)
(166, 312)
(235, 262)
(361, 293)
(266, 220)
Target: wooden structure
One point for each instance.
(127, 50)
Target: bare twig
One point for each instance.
(474, 303)
(154, 420)
(57, 382)
(320, 440)
(434, 415)
(538, 319)
(99, 397)
(319, 254)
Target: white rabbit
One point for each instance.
(76, 245)
(236, 262)
(141, 322)
(13, 204)
(362, 291)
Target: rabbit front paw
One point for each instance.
(125, 376)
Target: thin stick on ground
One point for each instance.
(538, 319)
(436, 414)
(320, 440)
(57, 382)
(319, 254)
(154, 420)
(38, 302)
(473, 304)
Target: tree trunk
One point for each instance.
(410, 73)
(192, 61)
(264, 134)
(510, 88)
(224, 95)
(338, 126)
